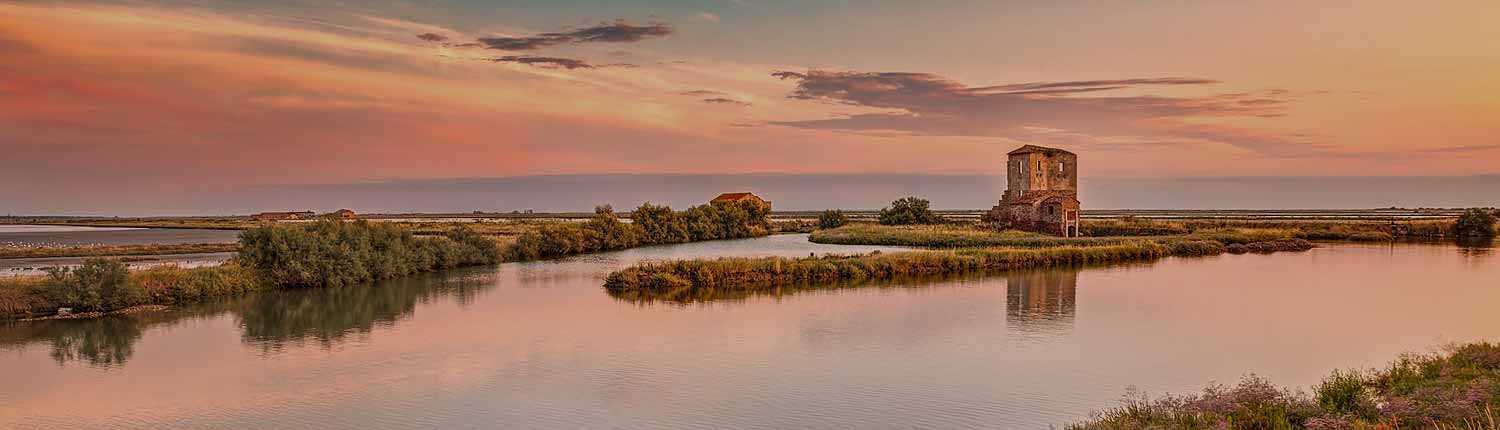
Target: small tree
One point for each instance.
(1475, 223)
(98, 285)
(907, 211)
(832, 219)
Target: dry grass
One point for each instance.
(20, 295)
(686, 277)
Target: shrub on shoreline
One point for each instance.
(832, 219)
(651, 225)
(97, 285)
(909, 211)
(332, 253)
(1475, 223)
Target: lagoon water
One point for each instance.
(28, 236)
(541, 345)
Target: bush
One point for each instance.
(651, 225)
(1475, 223)
(908, 211)
(832, 219)
(98, 285)
(1343, 392)
(333, 253)
(659, 224)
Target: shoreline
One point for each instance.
(687, 277)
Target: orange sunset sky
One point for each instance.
(167, 107)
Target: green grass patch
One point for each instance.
(729, 274)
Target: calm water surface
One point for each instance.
(542, 346)
(26, 236)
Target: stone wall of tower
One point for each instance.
(1033, 171)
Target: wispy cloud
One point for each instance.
(619, 31)
(726, 101)
(929, 104)
(1461, 149)
(546, 62)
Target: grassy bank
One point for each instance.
(42, 295)
(326, 253)
(947, 236)
(1312, 230)
(970, 236)
(118, 250)
(1457, 389)
(686, 276)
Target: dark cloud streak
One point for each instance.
(726, 101)
(619, 31)
(1070, 112)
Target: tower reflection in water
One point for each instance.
(1041, 303)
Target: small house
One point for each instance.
(344, 213)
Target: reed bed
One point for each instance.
(677, 277)
(1109, 232)
(23, 296)
(948, 236)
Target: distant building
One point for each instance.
(739, 197)
(1041, 192)
(343, 213)
(276, 216)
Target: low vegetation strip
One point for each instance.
(966, 236)
(948, 236)
(650, 225)
(1457, 389)
(104, 285)
(682, 277)
(118, 250)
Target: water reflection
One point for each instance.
(690, 295)
(1041, 302)
(270, 321)
(1476, 247)
(329, 316)
(98, 342)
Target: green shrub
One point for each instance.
(332, 253)
(659, 224)
(650, 225)
(908, 211)
(98, 285)
(1475, 223)
(832, 219)
(1342, 392)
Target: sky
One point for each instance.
(217, 107)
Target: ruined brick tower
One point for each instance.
(1041, 192)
